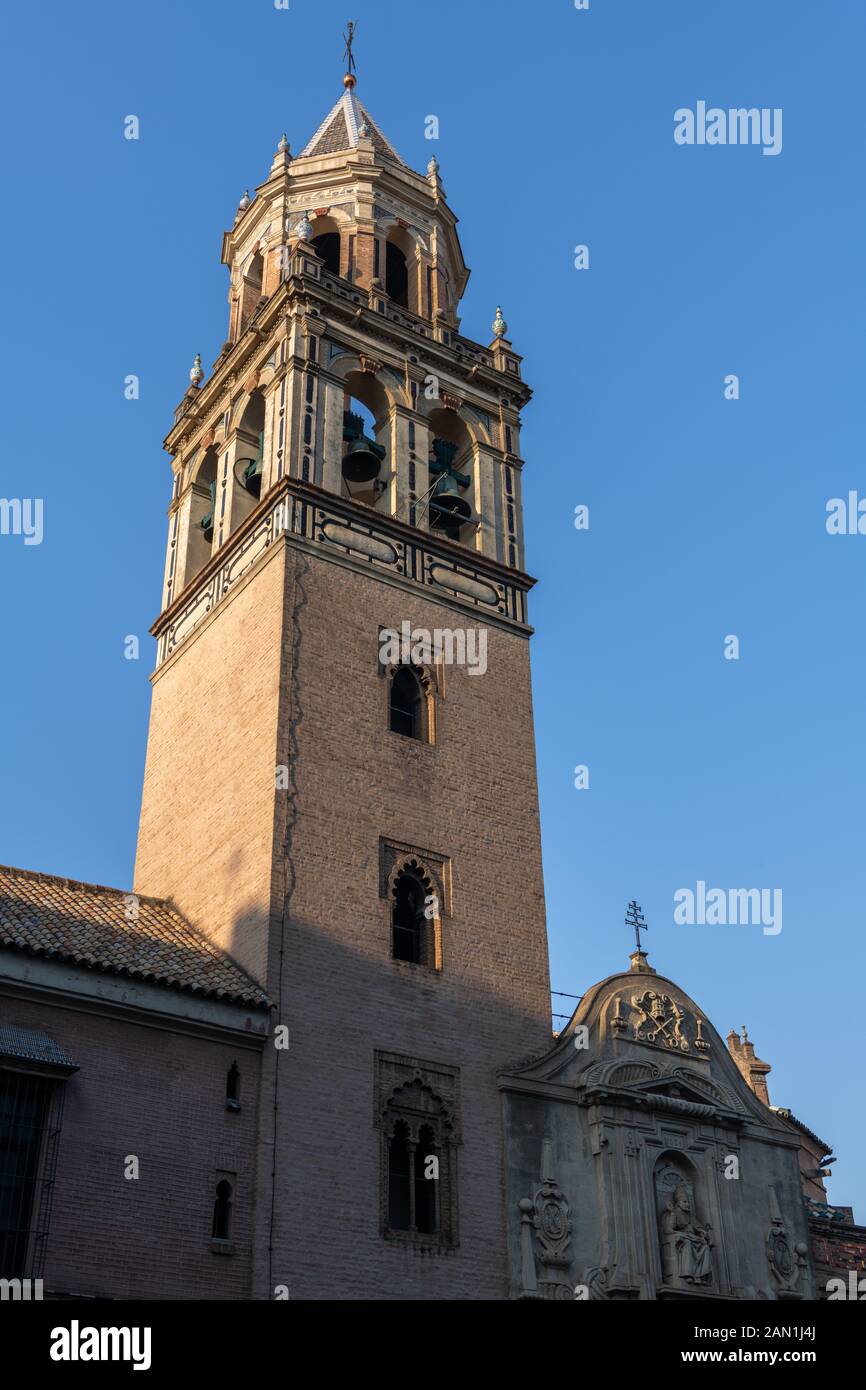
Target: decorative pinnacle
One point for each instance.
(283, 147)
(350, 80)
(500, 327)
(635, 918)
(245, 201)
(433, 167)
(197, 374)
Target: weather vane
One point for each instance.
(351, 66)
(635, 918)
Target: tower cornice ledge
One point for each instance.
(292, 299)
(351, 534)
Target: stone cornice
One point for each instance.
(353, 535)
(293, 297)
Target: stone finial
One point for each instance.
(304, 228)
(500, 327)
(196, 375)
(753, 1071)
(433, 167)
(284, 147)
(245, 201)
(363, 130)
(639, 964)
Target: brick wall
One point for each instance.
(472, 798)
(158, 1095)
(297, 648)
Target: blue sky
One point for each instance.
(707, 516)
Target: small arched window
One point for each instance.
(419, 1167)
(408, 921)
(233, 1087)
(407, 703)
(222, 1211)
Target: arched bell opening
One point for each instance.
(327, 242)
(202, 513)
(365, 438)
(400, 266)
(451, 461)
(249, 458)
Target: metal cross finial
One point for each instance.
(349, 55)
(635, 918)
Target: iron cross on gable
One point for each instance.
(635, 918)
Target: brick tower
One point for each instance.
(356, 821)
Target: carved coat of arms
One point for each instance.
(661, 1020)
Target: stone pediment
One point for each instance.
(663, 1087)
(639, 1038)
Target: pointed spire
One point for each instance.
(348, 121)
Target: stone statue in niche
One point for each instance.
(686, 1247)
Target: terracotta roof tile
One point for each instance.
(88, 925)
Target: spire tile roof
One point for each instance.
(339, 131)
(88, 925)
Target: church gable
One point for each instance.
(640, 1036)
(678, 1182)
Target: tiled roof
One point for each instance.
(339, 131)
(107, 929)
(789, 1115)
(26, 1045)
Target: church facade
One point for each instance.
(309, 1054)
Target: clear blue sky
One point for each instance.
(707, 516)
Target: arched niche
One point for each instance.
(685, 1240)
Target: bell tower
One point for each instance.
(340, 786)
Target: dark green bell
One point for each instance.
(248, 471)
(206, 522)
(448, 510)
(447, 507)
(251, 476)
(363, 458)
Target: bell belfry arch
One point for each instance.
(275, 787)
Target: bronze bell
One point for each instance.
(363, 458)
(448, 510)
